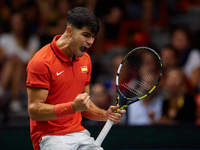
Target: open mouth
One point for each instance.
(83, 48)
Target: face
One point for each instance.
(174, 81)
(17, 24)
(168, 57)
(180, 41)
(81, 40)
(98, 95)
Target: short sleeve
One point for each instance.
(38, 75)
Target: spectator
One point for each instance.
(17, 47)
(189, 57)
(169, 58)
(99, 96)
(109, 65)
(178, 106)
(109, 18)
(147, 111)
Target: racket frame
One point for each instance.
(110, 123)
(133, 100)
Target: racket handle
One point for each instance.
(103, 133)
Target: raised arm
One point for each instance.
(97, 114)
(40, 111)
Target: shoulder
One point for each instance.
(5, 37)
(34, 38)
(195, 52)
(34, 43)
(42, 60)
(194, 57)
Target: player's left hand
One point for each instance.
(115, 116)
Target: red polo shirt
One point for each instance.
(51, 69)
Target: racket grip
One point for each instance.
(103, 133)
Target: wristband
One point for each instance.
(64, 109)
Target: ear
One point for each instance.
(69, 31)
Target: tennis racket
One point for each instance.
(137, 76)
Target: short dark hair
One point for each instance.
(80, 17)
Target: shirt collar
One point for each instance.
(59, 52)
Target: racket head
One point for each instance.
(138, 75)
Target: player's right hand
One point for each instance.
(81, 102)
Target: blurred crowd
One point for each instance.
(172, 28)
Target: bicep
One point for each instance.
(37, 95)
(37, 108)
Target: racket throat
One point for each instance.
(124, 107)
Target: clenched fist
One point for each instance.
(81, 102)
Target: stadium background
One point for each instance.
(133, 29)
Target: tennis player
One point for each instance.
(58, 78)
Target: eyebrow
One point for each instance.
(90, 34)
(85, 32)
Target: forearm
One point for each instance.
(95, 113)
(46, 112)
(42, 112)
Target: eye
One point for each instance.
(86, 35)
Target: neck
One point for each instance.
(63, 44)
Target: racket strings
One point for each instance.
(139, 73)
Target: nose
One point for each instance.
(90, 41)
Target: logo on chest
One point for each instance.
(59, 73)
(84, 69)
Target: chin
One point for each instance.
(81, 54)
